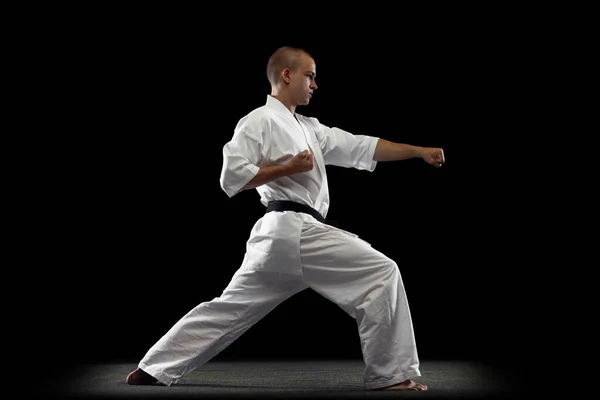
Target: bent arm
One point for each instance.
(267, 174)
(390, 151)
(301, 162)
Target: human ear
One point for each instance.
(286, 75)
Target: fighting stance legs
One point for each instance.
(336, 264)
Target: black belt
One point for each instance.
(286, 205)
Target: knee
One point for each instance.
(392, 264)
(391, 267)
(391, 273)
(386, 272)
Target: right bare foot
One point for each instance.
(140, 377)
(406, 385)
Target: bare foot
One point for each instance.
(140, 377)
(406, 385)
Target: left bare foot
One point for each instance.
(140, 377)
(406, 385)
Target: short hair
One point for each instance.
(284, 57)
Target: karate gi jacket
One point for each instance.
(271, 135)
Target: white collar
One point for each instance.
(276, 104)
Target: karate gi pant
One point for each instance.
(336, 264)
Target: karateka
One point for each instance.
(283, 155)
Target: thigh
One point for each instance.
(273, 245)
(251, 285)
(340, 265)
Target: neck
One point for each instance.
(284, 100)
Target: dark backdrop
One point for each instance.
(145, 233)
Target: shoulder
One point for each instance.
(255, 124)
(311, 121)
(314, 124)
(256, 121)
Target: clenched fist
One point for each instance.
(301, 162)
(433, 156)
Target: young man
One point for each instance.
(283, 155)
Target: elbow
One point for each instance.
(234, 179)
(228, 186)
(230, 190)
(233, 187)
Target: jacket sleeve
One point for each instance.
(344, 149)
(241, 157)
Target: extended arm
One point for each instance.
(391, 151)
(345, 149)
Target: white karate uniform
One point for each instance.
(288, 252)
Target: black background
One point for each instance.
(141, 231)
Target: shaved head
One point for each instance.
(282, 58)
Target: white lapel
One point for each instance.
(297, 126)
(319, 161)
(300, 128)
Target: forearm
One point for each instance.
(267, 174)
(390, 151)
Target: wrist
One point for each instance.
(419, 151)
(284, 170)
